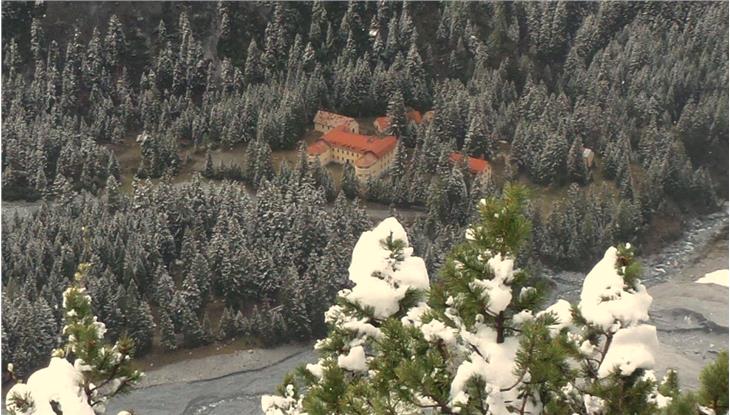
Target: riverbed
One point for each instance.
(691, 322)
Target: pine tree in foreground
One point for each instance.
(99, 371)
(478, 340)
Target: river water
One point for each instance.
(239, 392)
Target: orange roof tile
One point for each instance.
(475, 165)
(383, 123)
(340, 137)
(414, 116)
(331, 119)
(318, 147)
(427, 116)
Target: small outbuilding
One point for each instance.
(382, 124)
(475, 165)
(325, 122)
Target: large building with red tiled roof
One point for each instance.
(371, 156)
(475, 165)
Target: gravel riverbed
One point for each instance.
(691, 321)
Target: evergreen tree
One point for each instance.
(252, 70)
(208, 169)
(190, 326)
(714, 390)
(106, 369)
(191, 293)
(551, 167)
(480, 145)
(350, 183)
(200, 272)
(227, 324)
(114, 43)
(450, 353)
(167, 331)
(397, 116)
(576, 168)
(139, 321)
(164, 287)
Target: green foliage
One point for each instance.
(105, 370)
(682, 404)
(350, 183)
(625, 394)
(627, 266)
(714, 384)
(504, 227)
(85, 341)
(544, 357)
(424, 352)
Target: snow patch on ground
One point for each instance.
(719, 277)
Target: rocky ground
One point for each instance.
(224, 384)
(692, 318)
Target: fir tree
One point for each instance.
(397, 116)
(208, 169)
(190, 326)
(577, 170)
(106, 370)
(164, 287)
(167, 331)
(449, 353)
(350, 182)
(714, 390)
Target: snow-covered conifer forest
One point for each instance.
(455, 198)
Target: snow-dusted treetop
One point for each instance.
(606, 300)
(478, 340)
(60, 383)
(381, 276)
(99, 370)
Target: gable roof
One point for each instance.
(414, 116)
(475, 165)
(331, 119)
(340, 137)
(318, 147)
(372, 148)
(383, 123)
(427, 116)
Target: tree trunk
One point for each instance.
(500, 327)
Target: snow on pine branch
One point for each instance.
(606, 300)
(448, 354)
(99, 370)
(382, 278)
